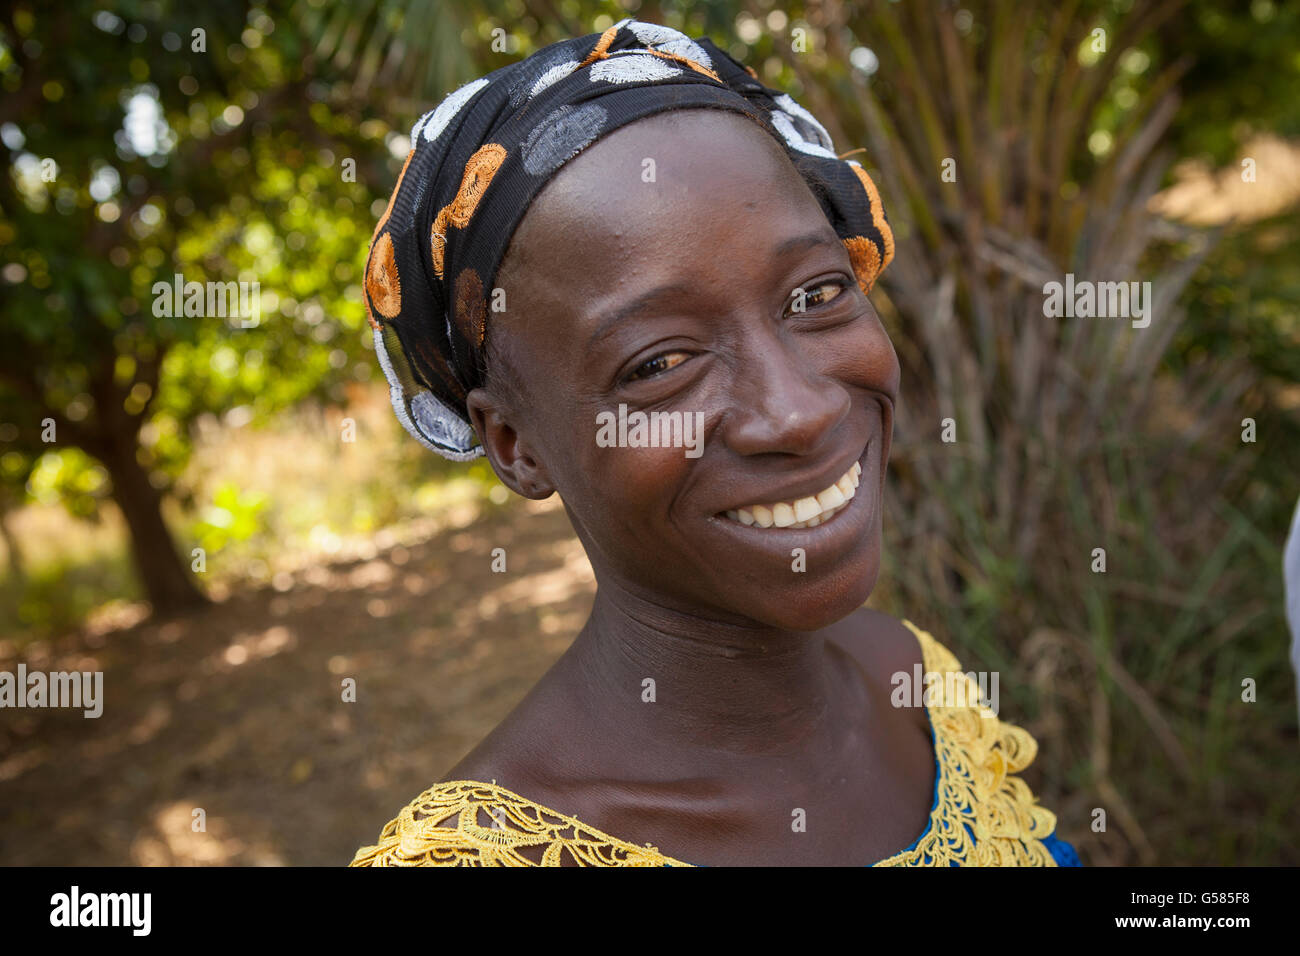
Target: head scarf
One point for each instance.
(480, 157)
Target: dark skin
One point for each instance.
(772, 685)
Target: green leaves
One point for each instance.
(72, 477)
(232, 517)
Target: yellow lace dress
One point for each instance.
(983, 815)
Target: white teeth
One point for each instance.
(806, 512)
(832, 497)
(819, 519)
(806, 508)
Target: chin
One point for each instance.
(820, 602)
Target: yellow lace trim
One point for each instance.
(977, 756)
(493, 825)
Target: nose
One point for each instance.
(782, 402)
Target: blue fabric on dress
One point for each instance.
(1061, 851)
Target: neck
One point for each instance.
(719, 686)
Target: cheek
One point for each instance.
(619, 492)
(625, 510)
(636, 486)
(886, 359)
(865, 356)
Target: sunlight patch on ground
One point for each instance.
(252, 647)
(173, 841)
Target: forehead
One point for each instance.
(649, 196)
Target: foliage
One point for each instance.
(1244, 74)
(200, 144)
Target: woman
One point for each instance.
(693, 250)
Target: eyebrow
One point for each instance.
(789, 247)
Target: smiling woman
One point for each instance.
(631, 223)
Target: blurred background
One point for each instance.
(224, 516)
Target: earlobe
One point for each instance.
(509, 454)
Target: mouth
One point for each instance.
(807, 512)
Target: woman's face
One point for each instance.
(659, 270)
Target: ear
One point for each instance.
(511, 455)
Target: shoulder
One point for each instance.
(883, 646)
(881, 643)
(954, 705)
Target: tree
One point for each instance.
(158, 142)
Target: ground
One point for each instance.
(239, 710)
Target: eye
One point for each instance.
(655, 366)
(816, 295)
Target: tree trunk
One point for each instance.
(12, 551)
(167, 581)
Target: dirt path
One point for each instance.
(239, 711)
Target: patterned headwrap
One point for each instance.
(480, 157)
